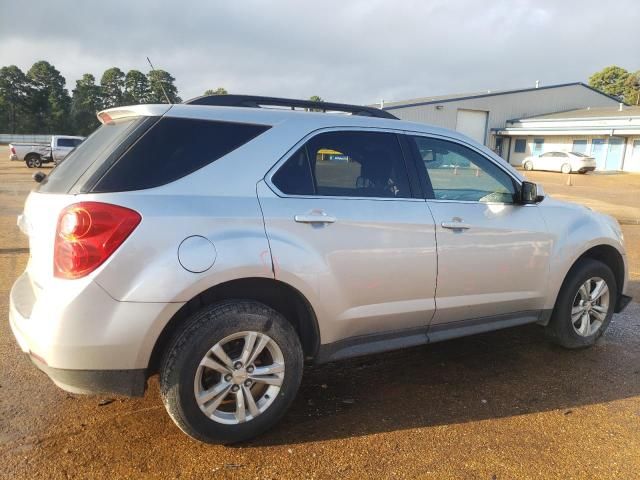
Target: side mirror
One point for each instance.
(530, 193)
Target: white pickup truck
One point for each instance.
(36, 154)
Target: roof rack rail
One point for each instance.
(254, 101)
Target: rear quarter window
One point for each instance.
(172, 149)
(91, 154)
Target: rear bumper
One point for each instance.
(13, 157)
(83, 339)
(130, 383)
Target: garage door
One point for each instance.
(472, 123)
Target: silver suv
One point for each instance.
(221, 244)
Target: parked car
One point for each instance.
(565, 162)
(37, 154)
(209, 244)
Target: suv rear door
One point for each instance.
(493, 254)
(346, 230)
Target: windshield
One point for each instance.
(95, 149)
(578, 154)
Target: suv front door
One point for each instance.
(493, 254)
(345, 229)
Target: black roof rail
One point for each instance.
(255, 101)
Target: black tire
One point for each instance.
(528, 166)
(560, 328)
(202, 331)
(33, 161)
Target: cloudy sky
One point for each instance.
(352, 51)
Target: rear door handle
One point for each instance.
(456, 225)
(315, 218)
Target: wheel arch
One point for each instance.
(278, 295)
(611, 257)
(606, 254)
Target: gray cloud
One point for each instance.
(354, 51)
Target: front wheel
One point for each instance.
(585, 305)
(566, 168)
(528, 166)
(232, 372)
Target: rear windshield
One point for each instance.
(174, 148)
(95, 149)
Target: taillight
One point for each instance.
(13, 150)
(87, 234)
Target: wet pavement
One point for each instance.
(501, 405)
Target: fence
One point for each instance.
(15, 138)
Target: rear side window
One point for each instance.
(94, 150)
(346, 164)
(66, 142)
(173, 148)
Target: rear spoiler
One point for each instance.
(116, 113)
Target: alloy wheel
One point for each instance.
(590, 306)
(239, 377)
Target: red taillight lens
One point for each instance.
(13, 150)
(87, 234)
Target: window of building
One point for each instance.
(538, 145)
(521, 145)
(636, 148)
(579, 146)
(346, 164)
(458, 173)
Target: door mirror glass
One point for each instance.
(530, 193)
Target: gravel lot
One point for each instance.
(502, 405)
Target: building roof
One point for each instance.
(486, 93)
(591, 113)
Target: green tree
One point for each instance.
(49, 101)
(632, 89)
(85, 102)
(136, 87)
(159, 79)
(315, 98)
(610, 80)
(217, 91)
(112, 86)
(14, 100)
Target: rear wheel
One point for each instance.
(232, 372)
(566, 168)
(584, 306)
(33, 161)
(528, 165)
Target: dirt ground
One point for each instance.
(502, 405)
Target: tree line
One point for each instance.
(618, 82)
(38, 101)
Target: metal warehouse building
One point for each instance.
(490, 117)
(611, 135)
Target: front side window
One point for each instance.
(346, 164)
(458, 173)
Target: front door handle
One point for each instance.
(319, 217)
(456, 225)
